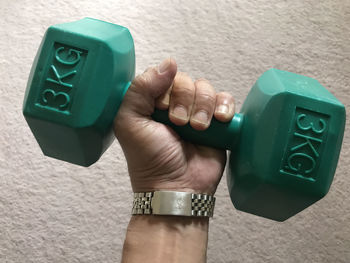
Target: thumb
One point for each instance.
(147, 87)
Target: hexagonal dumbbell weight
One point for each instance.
(284, 143)
(77, 82)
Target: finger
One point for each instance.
(204, 105)
(148, 86)
(163, 101)
(225, 107)
(148, 69)
(155, 80)
(181, 99)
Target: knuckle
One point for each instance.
(183, 86)
(142, 80)
(182, 75)
(225, 97)
(224, 94)
(204, 86)
(183, 96)
(184, 91)
(202, 80)
(148, 69)
(204, 98)
(182, 78)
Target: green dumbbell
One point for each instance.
(284, 143)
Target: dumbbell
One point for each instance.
(284, 143)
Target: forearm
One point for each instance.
(166, 239)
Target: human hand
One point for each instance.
(158, 159)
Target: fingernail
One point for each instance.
(201, 117)
(165, 101)
(164, 66)
(180, 112)
(222, 109)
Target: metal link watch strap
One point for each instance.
(173, 203)
(142, 203)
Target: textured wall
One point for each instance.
(52, 211)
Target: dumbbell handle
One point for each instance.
(221, 135)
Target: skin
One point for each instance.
(158, 159)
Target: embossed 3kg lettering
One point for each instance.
(304, 147)
(62, 76)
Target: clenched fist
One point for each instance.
(158, 159)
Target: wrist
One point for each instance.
(173, 224)
(166, 236)
(193, 182)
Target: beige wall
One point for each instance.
(52, 211)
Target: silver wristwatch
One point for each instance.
(173, 203)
